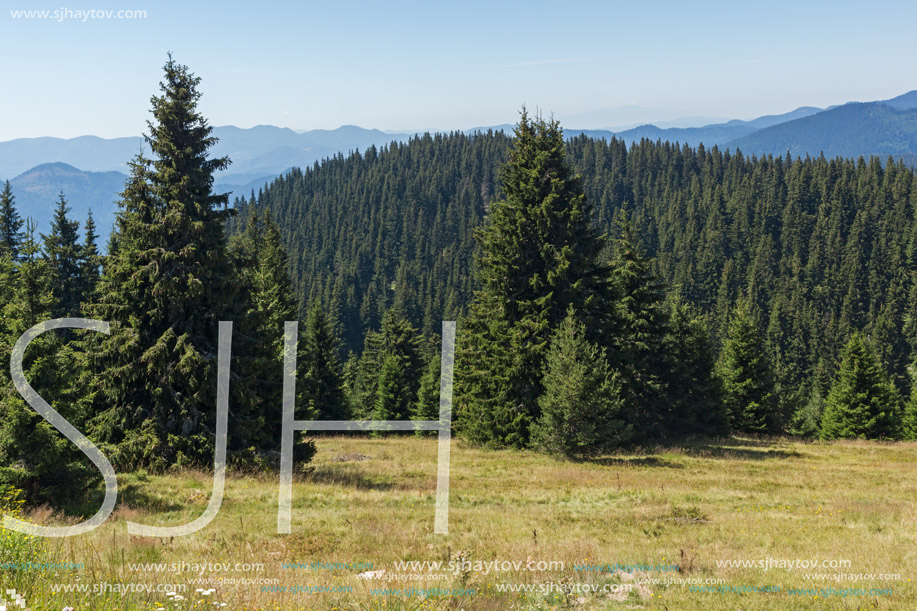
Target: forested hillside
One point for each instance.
(817, 248)
(374, 230)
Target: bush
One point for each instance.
(16, 547)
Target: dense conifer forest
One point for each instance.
(773, 263)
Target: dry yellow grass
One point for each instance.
(372, 501)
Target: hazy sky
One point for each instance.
(419, 65)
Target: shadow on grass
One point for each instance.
(636, 461)
(739, 453)
(732, 448)
(739, 448)
(336, 476)
(130, 495)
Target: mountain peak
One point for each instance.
(56, 167)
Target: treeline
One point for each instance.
(782, 262)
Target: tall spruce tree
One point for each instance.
(582, 407)
(909, 417)
(696, 390)
(34, 456)
(539, 255)
(266, 296)
(427, 406)
(393, 399)
(10, 223)
(90, 259)
(638, 338)
(862, 402)
(166, 284)
(65, 256)
(322, 385)
(746, 374)
(391, 355)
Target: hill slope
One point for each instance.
(37, 190)
(806, 242)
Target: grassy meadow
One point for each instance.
(370, 501)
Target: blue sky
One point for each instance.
(420, 65)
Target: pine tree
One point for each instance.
(90, 260)
(397, 343)
(638, 338)
(696, 390)
(806, 421)
(539, 255)
(34, 455)
(10, 223)
(746, 375)
(909, 418)
(65, 255)
(267, 301)
(427, 405)
(582, 407)
(33, 298)
(166, 284)
(322, 386)
(7, 288)
(862, 402)
(393, 396)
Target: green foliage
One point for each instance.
(909, 417)
(165, 285)
(820, 247)
(806, 421)
(393, 396)
(90, 260)
(582, 408)
(486, 411)
(699, 406)
(65, 256)
(321, 383)
(267, 301)
(539, 255)
(34, 456)
(862, 402)
(638, 339)
(385, 380)
(10, 223)
(386, 229)
(746, 375)
(17, 548)
(427, 405)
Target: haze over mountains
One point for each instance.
(90, 171)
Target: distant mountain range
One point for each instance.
(713, 134)
(90, 171)
(258, 151)
(37, 190)
(849, 130)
